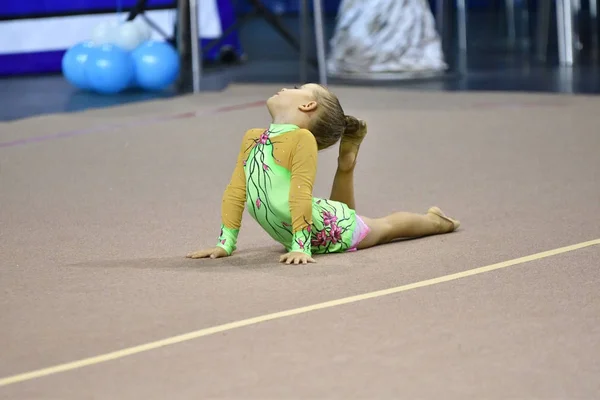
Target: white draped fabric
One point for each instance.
(374, 36)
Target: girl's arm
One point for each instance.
(234, 200)
(304, 171)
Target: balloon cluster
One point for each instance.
(119, 57)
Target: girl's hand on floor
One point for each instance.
(215, 252)
(296, 257)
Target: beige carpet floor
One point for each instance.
(99, 208)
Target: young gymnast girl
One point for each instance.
(274, 177)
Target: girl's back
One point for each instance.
(279, 166)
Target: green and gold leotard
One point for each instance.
(274, 177)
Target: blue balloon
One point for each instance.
(156, 65)
(133, 84)
(73, 64)
(109, 69)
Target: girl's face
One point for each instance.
(293, 99)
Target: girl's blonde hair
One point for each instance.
(331, 123)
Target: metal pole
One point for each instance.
(594, 23)
(320, 39)
(568, 31)
(303, 41)
(195, 46)
(440, 11)
(543, 29)
(560, 30)
(462, 25)
(183, 22)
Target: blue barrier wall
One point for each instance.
(34, 34)
(28, 8)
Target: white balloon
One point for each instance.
(144, 28)
(105, 32)
(129, 36)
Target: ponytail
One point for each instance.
(331, 123)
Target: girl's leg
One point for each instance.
(395, 226)
(404, 225)
(342, 189)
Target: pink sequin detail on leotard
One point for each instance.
(361, 230)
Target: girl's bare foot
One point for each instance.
(349, 146)
(447, 224)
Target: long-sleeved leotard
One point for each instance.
(274, 177)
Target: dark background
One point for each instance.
(491, 64)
